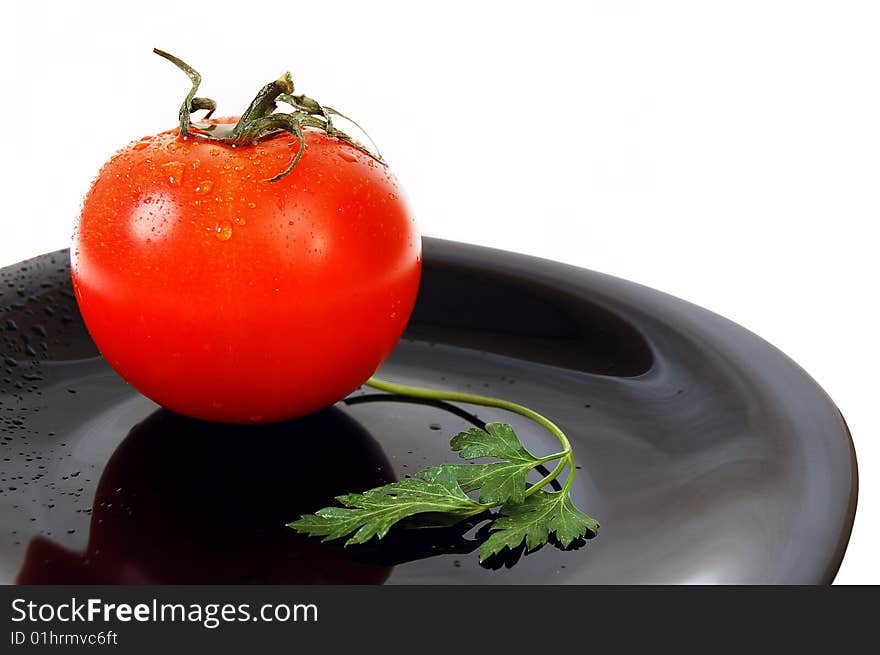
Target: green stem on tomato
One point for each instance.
(260, 121)
(565, 457)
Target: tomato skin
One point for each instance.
(225, 297)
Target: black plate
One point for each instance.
(707, 455)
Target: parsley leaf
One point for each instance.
(437, 496)
(373, 512)
(498, 482)
(497, 440)
(534, 519)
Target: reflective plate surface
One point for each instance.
(707, 455)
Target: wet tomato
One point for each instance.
(227, 297)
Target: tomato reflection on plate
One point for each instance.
(183, 501)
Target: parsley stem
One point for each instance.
(565, 460)
(565, 456)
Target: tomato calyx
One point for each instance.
(260, 120)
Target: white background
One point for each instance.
(725, 152)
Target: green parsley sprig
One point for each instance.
(438, 495)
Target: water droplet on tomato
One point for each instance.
(215, 151)
(139, 146)
(223, 231)
(172, 146)
(174, 171)
(204, 186)
(346, 156)
(238, 220)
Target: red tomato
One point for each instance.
(225, 297)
